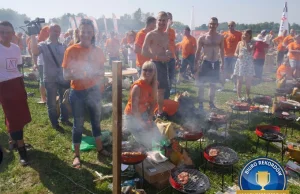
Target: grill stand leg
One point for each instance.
(268, 143)
(143, 175)
(232, 173)
(222, 181)
(205, 165)
(282, 151)
(257, 143)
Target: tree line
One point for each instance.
(134, 21)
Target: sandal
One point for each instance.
(103, 152)
(77, 165)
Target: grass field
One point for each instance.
(50, 161)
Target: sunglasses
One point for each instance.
(148, 70)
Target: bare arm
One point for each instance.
(34, 46)
(222, 51)
(237, 50)
(197, 54)
(146, 47)
(135, 98)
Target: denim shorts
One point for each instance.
(294, 63)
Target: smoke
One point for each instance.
(144, 136)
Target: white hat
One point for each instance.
(259, 38)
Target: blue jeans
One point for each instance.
(79, 100)
(52, 89)
(171, 73)
(258, 67)
(190, 60)
(229, 64)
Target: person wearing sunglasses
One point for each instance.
(138, 113)
(231, 39)
(212, 46)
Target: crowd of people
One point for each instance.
(78, 63)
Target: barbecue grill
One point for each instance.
(238, 106)
(197, 183)
(216, 120)
(287, 118)
(270, 133)
(263, 100)
(225, 158)
(190, 136)
(134, 159)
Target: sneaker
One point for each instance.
(67, 123)
(23, 156)
(212, 105)
(227, 80)
(249, 101)
(58, 128)
(221, 89)
(234, 89)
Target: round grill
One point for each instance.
(225, 157)
(197, 183)
(269, 133)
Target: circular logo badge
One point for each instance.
(262, 174)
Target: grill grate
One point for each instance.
(198, 182)
(226, 156)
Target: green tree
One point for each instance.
(13, 17)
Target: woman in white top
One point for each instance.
(131, 53)
(13, 96)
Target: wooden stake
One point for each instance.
(117, 124)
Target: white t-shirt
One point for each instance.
(131, 53)
(9, 59)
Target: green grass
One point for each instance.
(52, 155)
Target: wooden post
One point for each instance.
(117, 124)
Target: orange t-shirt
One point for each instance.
(79, 59)
(292, 55)
(145, 99)
(279, 41)
(112, 47)
(139, 41)
(231, 41)
(172, 37)
(283, 69)
(188, 45)
(287, 40)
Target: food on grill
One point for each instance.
(285, 113)
(270, 135)
(183, 177)
(217, 118)
(213, 152)
(131, 153)
(238, 105)
(132, 157)
(254, 108)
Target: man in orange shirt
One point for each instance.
(139, 41)
(231, 39)
(188, 47)
(281, 50)
(294, 55)
(172, 48)
(112, 47)
(284, 69)
(289, 39)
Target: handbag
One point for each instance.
(60, 78)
